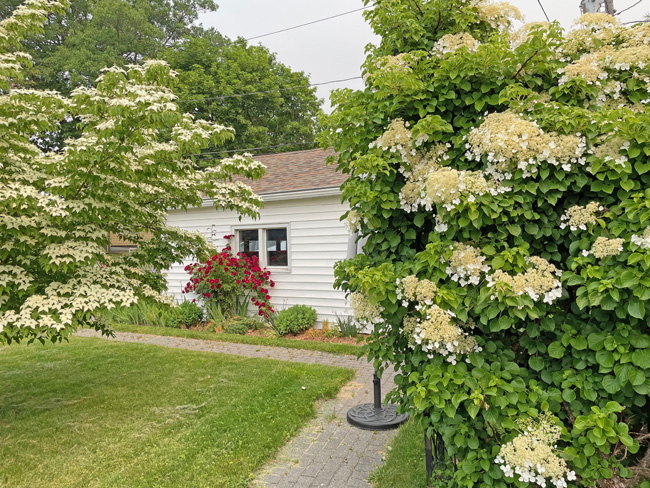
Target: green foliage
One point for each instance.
(329, 347)
(145, 312)
(187, 314)
(575, 346)
(131, 160)
(347, 326)
(240, 325)
(213, 67)
(90, 36)
(295, 319)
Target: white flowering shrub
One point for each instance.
(132, 161)
(500, 176)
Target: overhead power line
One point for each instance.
(626, 9)
(269, 91)
(254, 149)
(542, 7)
(310, 23)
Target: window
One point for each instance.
(249, 243)
(272, 240)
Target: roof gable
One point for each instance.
(297, 171)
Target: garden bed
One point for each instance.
(351, 349)
(318, 335)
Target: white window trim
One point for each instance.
(262, 240)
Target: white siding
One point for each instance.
(317, 240)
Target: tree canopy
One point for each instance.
(501, 178)
(215, 68)
(78, 43)
(132, 160)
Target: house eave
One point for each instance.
(290, 195)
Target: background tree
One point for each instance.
(213, 67)
(92, 35)
(134, 159)
(501, 180)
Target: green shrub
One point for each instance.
(503, 198)
(240, 325)
(186, 314)
(295, 319)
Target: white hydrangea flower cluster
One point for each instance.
(589, 33)
(417, 167)
(498, 14)
(410, 289)
(450, 43)
(520, 36)
(532, 455)
(466, 264)
(399, 63)
(435, 332)
(365, 313)
(446, 186)
(512, 142)
(643, 240)
(396, 138)
(538, 281)
(578, 217)
(604, 247)
(432, 328)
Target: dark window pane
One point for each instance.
(249, 243)
(276, 247)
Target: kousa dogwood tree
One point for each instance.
(132, 161)
(500, 173)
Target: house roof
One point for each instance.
(297, 171)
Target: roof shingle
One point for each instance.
(296, 171)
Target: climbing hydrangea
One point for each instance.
(466, 264)
(578, 217)
(532, 454)
(643, 240)
(604, 247)
(511, 142)
(540, 280)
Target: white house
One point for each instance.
(298, 236)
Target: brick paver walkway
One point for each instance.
(328, 452)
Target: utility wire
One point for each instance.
(626, 9)
(310, 23)
(635, 22)
(545, 14)
(269, 91)
(255, 149)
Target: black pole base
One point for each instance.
(368, 417)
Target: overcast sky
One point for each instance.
(334, 49)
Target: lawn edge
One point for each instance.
(327, 347)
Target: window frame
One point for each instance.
(261, 235)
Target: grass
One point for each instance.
(333, 348)
(94, 413)
(404, 466)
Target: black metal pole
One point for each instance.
(377, 387)
(428, 455)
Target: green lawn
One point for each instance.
(349, 349)
(404, 466)
(94, 413)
